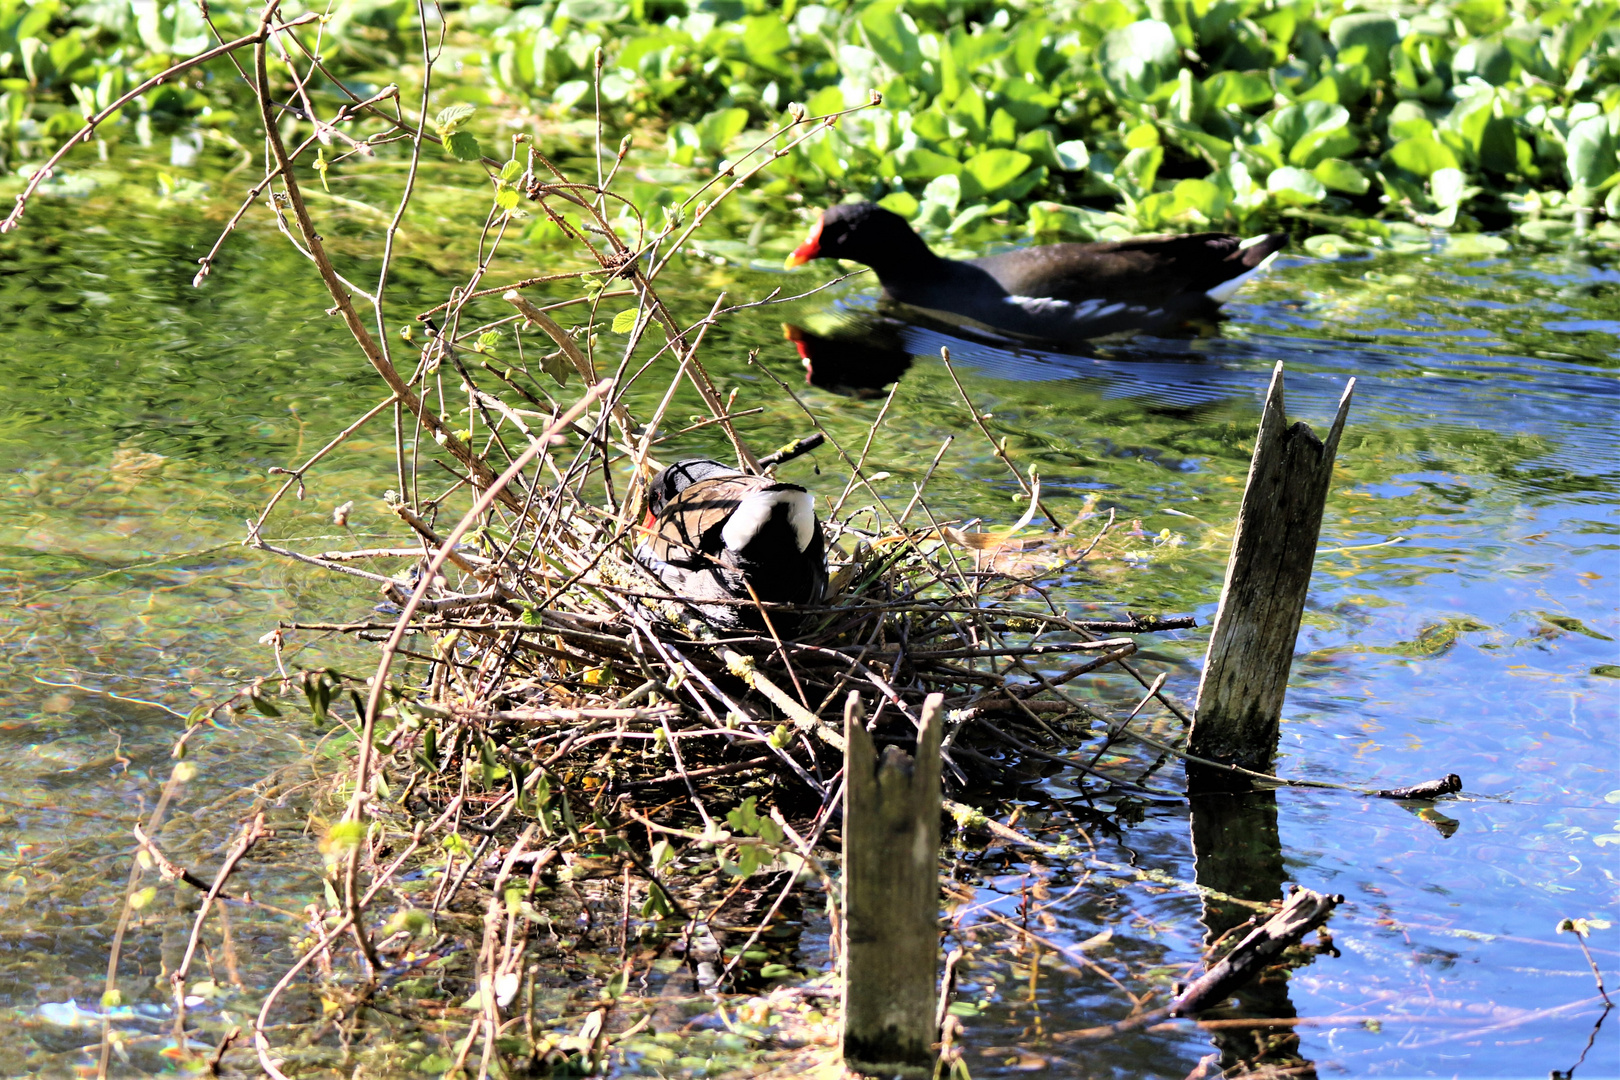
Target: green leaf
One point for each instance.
(1450, 187)
(507, 199)
(769, 47)
(1421, 155)
(463, 146)
(925, 164)
(1475, 245)
(1337, 174)
(625, 321)
(995, 169)
(1245, 90)
(901, 202)
(1073, 156)
(511, 170)
(945, 191)
(1134, 59)
(1291, 186)
(1372, 33)
(1589, 156)
(1141, 168)
(595, 11)
(451, 116)
(1332, 246)
(716, 130)
(892, 37)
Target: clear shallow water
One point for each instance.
(141, 416)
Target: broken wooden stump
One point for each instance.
(890, 945)
(1304, 911)
(1251, 647)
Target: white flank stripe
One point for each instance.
(750, 517)
(1228, 289)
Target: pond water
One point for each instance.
(1463, 618)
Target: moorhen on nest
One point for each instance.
(713, 531)
(1061, 292)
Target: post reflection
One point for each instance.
(1238, 856)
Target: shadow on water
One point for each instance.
(1237, 853)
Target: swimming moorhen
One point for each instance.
(713, 531)
(1061, 292)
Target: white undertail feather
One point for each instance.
(1228, 289)
(756, 509)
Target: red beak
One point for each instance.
(810, 249)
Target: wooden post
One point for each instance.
(890, 944)
(1252, 644)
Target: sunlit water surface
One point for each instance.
(141, 417)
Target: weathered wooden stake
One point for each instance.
(890, 941)
(1252, 644)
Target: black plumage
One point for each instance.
(1062, 292)
(712, 532)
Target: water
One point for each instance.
(141, 416)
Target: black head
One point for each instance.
(674, 479)
(863, 233)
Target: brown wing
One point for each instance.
(687, 533)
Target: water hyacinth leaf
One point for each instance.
(1055, 219)
(1370, 33)
(1026, 102)
(977, 212)
(684, 144)
(1133, 59)
(1589, 153)
(594, 11)
(1290, 186)
(1336, 174)
(1332, 246)
(1240, 89)
(892, 36)
(993, 170)
(1449, 187)
(1072, 156)
(1422, 155)
(945, 190)
(1484, 58)
(1140, 169)
(1039, 145)
(716, 130)
(901, 202)
(1475, 245)
(569, 94)
(925, 164)
(769, 46)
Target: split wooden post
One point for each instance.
(890, 941)
(1251, 647)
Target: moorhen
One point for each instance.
(1061, 292)
(713, 531)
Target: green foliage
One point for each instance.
(1098, 120)
(1088, 120)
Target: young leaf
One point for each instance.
(625, 321)
(463, 146)
(451, 116)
